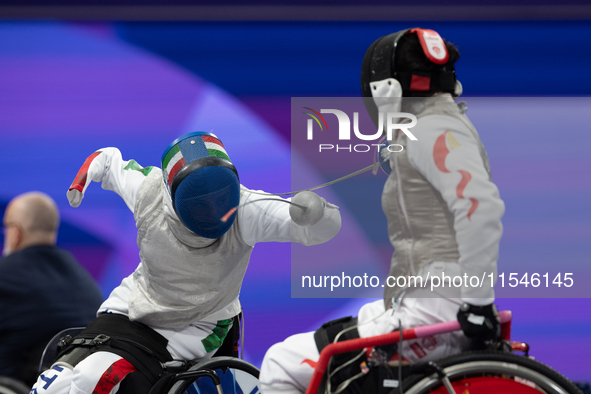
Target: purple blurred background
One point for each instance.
(69, 88)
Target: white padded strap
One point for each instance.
(387, 95)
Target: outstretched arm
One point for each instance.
(266, 218)
(108, 167)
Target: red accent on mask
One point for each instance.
(419, 83)
(433, 45)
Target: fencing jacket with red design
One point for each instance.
(440, 202)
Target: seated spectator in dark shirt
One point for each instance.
(43, 289)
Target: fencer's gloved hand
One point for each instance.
(75, 193)
(480, 322)
(307, 208)
(74, 197)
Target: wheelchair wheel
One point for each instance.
(12, 386)
(491, 372)
(236, 377)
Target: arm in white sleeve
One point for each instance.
(447, 154)
(108, 167)
(265, 218)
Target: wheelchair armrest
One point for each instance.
(50, 351)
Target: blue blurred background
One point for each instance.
(72, 84)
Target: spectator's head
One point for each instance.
(30, 219)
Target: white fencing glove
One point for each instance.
(307, 208)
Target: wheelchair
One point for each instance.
(217, 375)
(489, 371)
(9, 385)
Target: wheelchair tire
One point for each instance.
(236, 375)
(12, 386)
(511, 372)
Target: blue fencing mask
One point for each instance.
(202, 182)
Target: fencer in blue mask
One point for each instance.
(197, 226)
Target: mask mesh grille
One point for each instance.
(204, 197)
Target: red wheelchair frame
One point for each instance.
(463, 367)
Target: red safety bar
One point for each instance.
(392, 337)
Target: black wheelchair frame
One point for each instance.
(178, 383)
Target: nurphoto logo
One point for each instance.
(393, 120)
